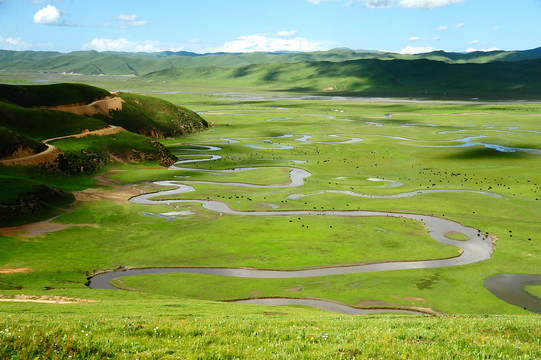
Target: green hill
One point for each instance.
(140, 114)
(155, 118)
(403, 78)
(44, 124)
(135, 64)
(51, 95)
(35, 189)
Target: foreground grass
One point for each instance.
(169, 329)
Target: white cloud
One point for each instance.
(378, 4)
(12, 43)
(442, 28)
(254, 43)
(317, 2)
(496, 27)
(473, 42)
(459, 26)
(383, 4)
(124, 17)
(131, 20)
(284, 33)
(372, 4)
(416, 49)
(138, 23)
(436, 38)
(468, 50)
(416, 38)
(103, 44)
(49, 15)
(427, 4)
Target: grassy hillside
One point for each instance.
(50, 95)
(44, 124)
(30, 192)
(155, 118)
(404, 78)
(13, 143)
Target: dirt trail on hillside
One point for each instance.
(49, 155)
(99, 107)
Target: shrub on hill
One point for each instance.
(88, 154)
(12, 143)
(31, 202)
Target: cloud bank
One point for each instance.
(11, 43)
(253, 43)
(427, 4)
(416, 49)
(123, 44)
(383, 4)
(132, 20)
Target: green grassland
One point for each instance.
(372, 77)
(535, 290)
(181, 315)
(334, 166)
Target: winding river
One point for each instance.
(478, 248)
(510, 288)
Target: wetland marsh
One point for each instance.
(241, 166)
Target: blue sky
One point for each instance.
(408, 26)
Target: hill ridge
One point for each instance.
(135, 64)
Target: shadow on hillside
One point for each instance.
(486, 153)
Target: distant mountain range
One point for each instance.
(136, 64)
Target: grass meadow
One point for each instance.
(414, 146)
(163, 328)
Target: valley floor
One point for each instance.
(279, 184)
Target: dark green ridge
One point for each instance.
(50, 95)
